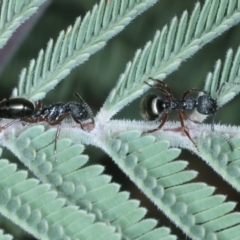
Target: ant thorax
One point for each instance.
(50, 113)
(187, 104)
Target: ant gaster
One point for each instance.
(15, 108)
(152, 107)
(25, 111)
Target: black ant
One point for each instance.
(25, 111)
(153, 107)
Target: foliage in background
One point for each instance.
(47, 206)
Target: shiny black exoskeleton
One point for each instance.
(15, 108)
(55, 113)
(153, 107)
(25, 111)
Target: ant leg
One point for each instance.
(55, 140)
(165, 92)
(160, 84)
(220, 135)
(185, 94)
(186, 115)
(8, 125)
(77, 121)
(92, 119)
(222, 85)
(213, 121)
(39, 104)
(52, 124)
(165, 118)
(184, 128)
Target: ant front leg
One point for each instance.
(167, 91)
(186, 115)
(185, 94)
(223, 84)
(78, 121)
(39, 104)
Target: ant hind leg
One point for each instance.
(55, 140)
(165, 118)
(8, 125)
(180, 115)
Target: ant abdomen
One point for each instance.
(151, 107)
(15, 108)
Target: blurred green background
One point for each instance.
(96, 77)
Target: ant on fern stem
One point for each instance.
(153, 107)
(28, 112)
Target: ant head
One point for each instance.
(206, 105)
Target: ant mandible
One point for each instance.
(153, 107)
(25, 111)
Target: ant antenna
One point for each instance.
(213, 121)
(85, 106)
(214, 115)
(223, 84)
(226, 139)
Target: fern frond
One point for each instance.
(156, 234)
(169, 48)
(191, 206)
(5, 236)
(215, 151)
(223, 83)
(34, 207)
(79, 185)
(76, 45)
(13, 14)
